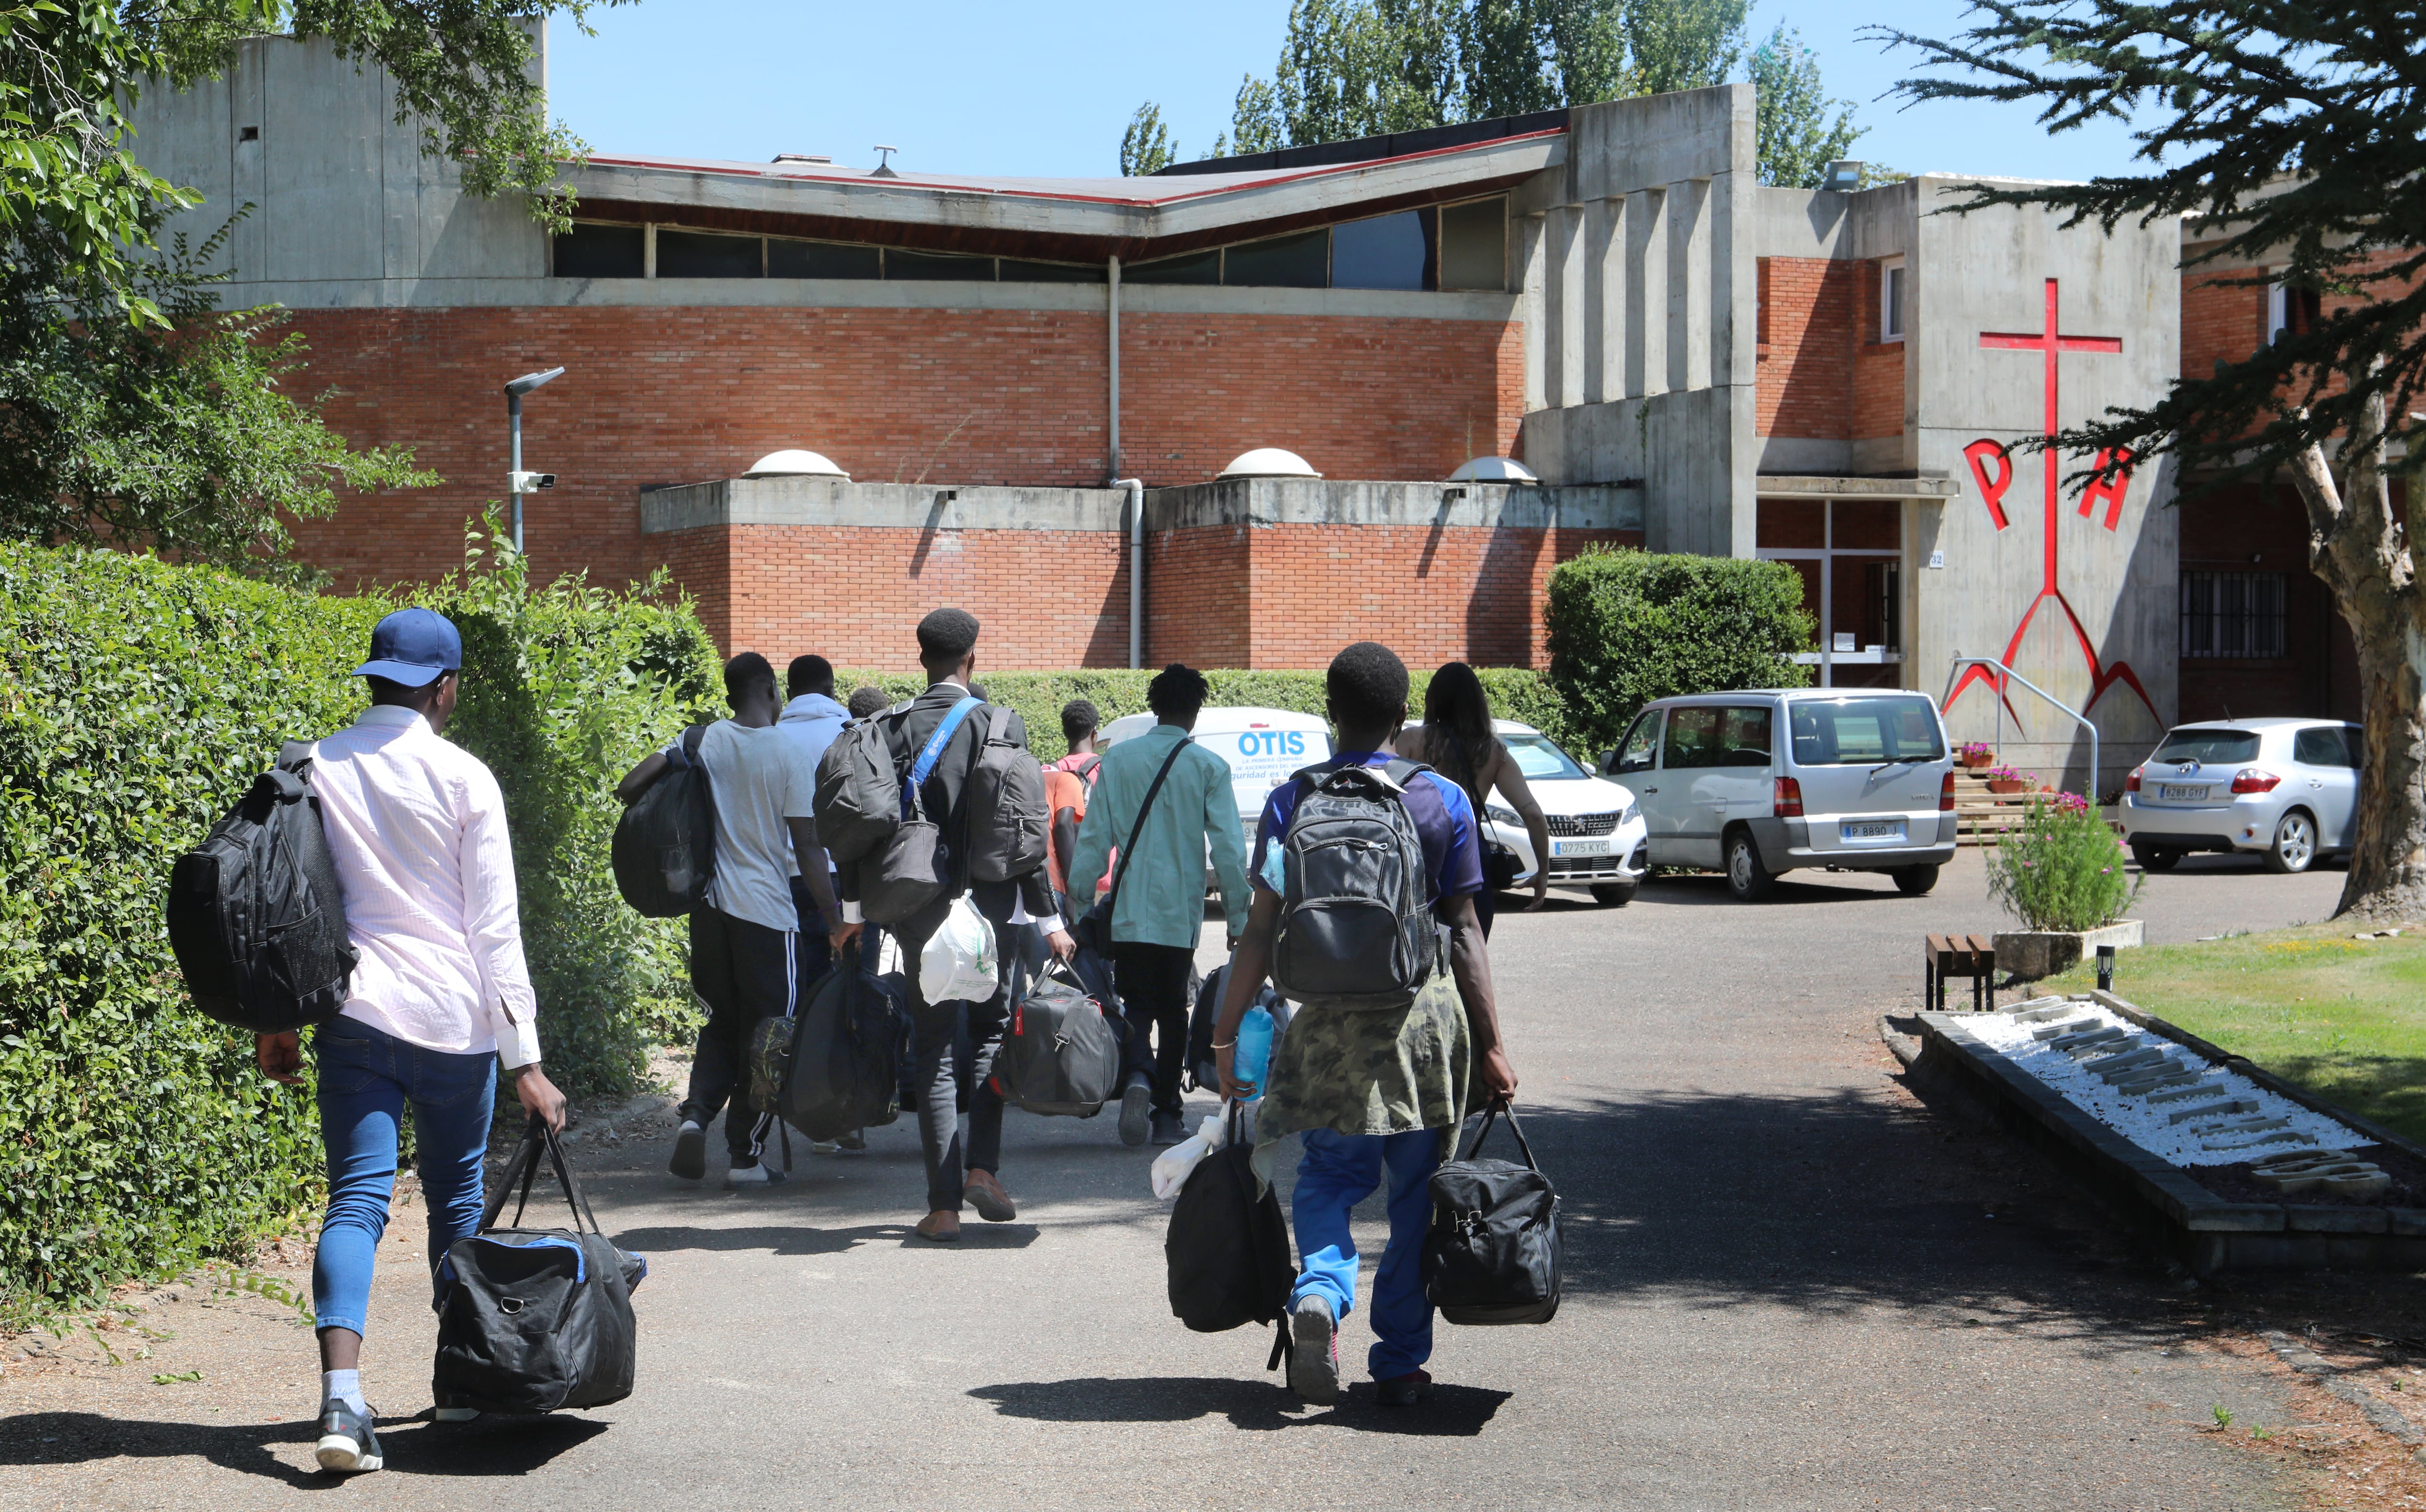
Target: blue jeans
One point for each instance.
(367, 1077)
(1338, 1172)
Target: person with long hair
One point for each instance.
(1457, 740)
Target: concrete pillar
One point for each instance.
(1647, 293)
(1688, 285)
(1563, 229)
(1532, 302)
(1604, 302)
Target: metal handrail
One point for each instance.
(2088, 788)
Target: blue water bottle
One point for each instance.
(1255, 1048)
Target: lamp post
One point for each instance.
(518, 482)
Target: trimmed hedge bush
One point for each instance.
(136, 701)
(1627, 627)
(1516, 692)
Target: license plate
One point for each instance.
(1582, 847)
(1873, 830)
(2180, 795)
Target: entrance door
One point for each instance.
(1850, 556)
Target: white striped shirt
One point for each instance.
(417, 826)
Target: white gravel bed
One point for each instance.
(2194, 1141)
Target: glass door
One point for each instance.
(1849, 555)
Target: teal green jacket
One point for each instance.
(1161, 897)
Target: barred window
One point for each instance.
(2236, 614)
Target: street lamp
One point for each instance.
(518, 482)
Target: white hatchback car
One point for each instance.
(1597, 832)
(2283, 789)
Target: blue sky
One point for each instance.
(1044, 90)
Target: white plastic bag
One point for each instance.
(959, 962)
(1171, 1167)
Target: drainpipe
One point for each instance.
(1137, 569)
(1112, 272)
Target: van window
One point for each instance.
(1642, 744)
(1693, 739)
(1743, 736)
(1850, 731)
(2209, 746)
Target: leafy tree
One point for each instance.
(1683, 44)
(2299, 133)
(1256, 125)
(1797, 139)
(1146, 146)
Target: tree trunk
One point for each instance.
(2357, 546)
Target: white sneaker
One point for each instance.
(759, 1174)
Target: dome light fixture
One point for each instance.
(1493, 470)
(794, 463)
(1268, 461)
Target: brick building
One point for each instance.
(1684, 358)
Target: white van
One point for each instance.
(1767, 780)
(1261, 746)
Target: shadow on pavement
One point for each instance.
(1698, 890)
(790, 1240)
(1453, 1411)
(493, 1446)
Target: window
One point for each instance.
(821, 259)
(1474, 243)
(1015, 270)
(2321, 745)
(1390, 252)
(1299, 261)
(1743, 738)
(1539, 759)
(1891, 281)
(1693, 739)
(1850, 731)
(1640, 745)
(704, 254)
(1188, 268)
(2290, 312)
(2195, 744)
(590, 250)
(899, 263)
(2233, 614)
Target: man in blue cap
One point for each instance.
(439, 1001)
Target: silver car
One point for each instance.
(1769, 780)
(2286, 789)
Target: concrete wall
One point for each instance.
(1638, 277)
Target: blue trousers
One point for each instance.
(367, 1077)
(1338, 1172)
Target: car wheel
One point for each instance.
(1613, 894)
(1746, 877)
(2295, 844)
(1914, 882)
(2155, 857)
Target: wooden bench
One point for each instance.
(1958, 955)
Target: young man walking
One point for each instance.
(812, 719)
(440, 999)
(1374, 1092)
(1067, 784)
(947, 641)
(744, 958)
(1159, 899)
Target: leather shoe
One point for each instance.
(941, 1226)
(1137, 1107)
(984, 1190)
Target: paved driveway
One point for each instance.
(1790, 1285)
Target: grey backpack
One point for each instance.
(1356, 926)
(858, 804)
(1005, 801)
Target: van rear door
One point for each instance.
(1870, 765)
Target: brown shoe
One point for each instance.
(984, 1190)
(941, 1226)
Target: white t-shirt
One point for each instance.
(760, 778)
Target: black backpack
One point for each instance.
(534, 1320)
(845, 1067)
(1226, 1253)
(1004, 805)
(858, 804)
(1356, 927)
(255, 915)
(1062, 1056)
(664, 850)
(1491, 1253)
(1201, 1065)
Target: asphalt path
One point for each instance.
(1790, 1284)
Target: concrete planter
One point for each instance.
(2030, 955)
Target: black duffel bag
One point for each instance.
(536, 1320)
(1491, 1253)
(663, 854)
(1062, 1056)
(1226, 1253)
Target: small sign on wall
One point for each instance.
(1937, 559)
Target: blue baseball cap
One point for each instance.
(414, 646)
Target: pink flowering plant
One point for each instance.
(2061, 868)
(2002, 774)
(1971, 750)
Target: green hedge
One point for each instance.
(1627, 627)
(137, 700)
(1516, 693)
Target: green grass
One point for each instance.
(2343, 1018)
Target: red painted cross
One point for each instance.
(2053, 345)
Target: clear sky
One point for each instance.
(1045, 88)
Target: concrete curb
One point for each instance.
(2389, 1419)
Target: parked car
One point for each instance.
(1262, 747)
(1765, 781)
(2284, 789)
(1595, 826)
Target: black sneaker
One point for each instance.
(1314, 1351)
(1168, 1130)
(690, 1151)
(1403, 1390)
(348, 1446)
(1137, 1109)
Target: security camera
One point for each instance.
(530, 482)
